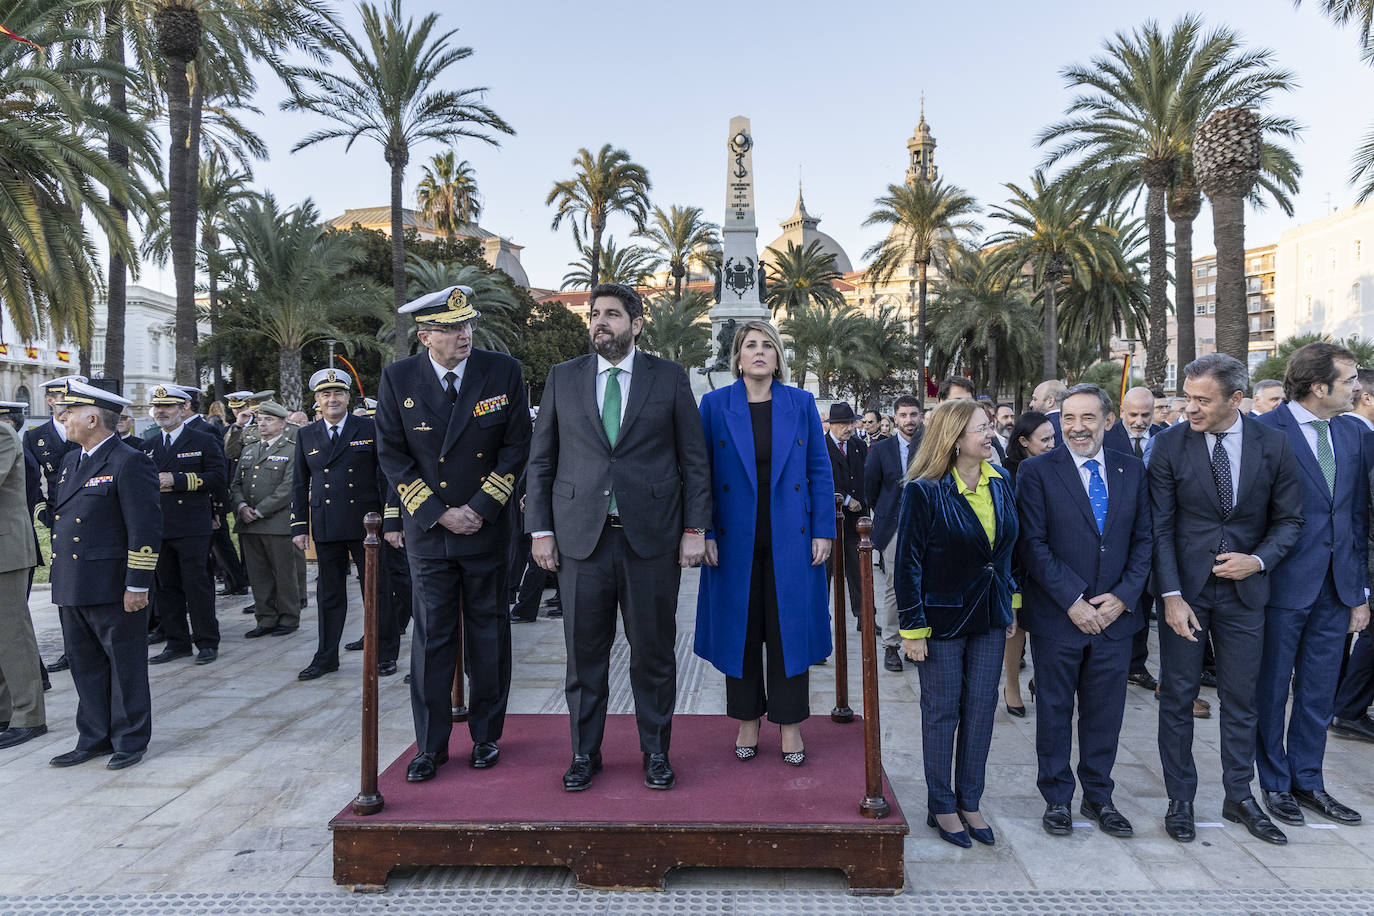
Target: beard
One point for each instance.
(615, 347)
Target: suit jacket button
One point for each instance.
(799, 442)
(803, 531)
(798, 486)
(722, 443)
(441, 461)
(443, 484)
(326, 502)
(479, 455)
(605, 492)
(75, 539)
(74, 556)
(726, 488)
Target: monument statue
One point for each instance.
(740, 283)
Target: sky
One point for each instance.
(833, 92)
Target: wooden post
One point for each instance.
(459, 709)
(873, 804)
(369, 800)
(841, 712)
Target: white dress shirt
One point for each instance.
(174, 433)
(440, 372)
(1084, 475)
(1368, 423)
(61, 429)
(1305, 419)
(903, 450)
(1232, 445)
(603, 374)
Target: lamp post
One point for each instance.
(331, 341)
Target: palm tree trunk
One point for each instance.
(1156, 347)
(1050, 354)
(116, 280)
(1183, 296)
(992, 365)
(289, 365)
(1228, 233)
(597, 228)
(677, 283)
(401, 345)
(183, 230)
(216, 358)
(921, 267)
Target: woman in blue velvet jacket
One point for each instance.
(956, 535)
(763, 584)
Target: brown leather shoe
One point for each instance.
(1201, 708)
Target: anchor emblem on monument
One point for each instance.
(740, 144)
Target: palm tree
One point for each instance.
(885, 347)
(608, 183)
(674, 329)
(630, 265)
(1117, 302)
(496, 329)
(1052, 234)
(678, 236)
(389, 90)
(448, 193)
(292, 285)
(826, 341)
(983, 318)
(927, 221)
(799, 277)
(1134, 120)
(1361, 12)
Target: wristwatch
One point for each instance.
(700, 531)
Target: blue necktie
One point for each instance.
(1097, 494)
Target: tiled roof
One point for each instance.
(380, 217)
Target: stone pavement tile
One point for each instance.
(314, 884)
(1056, 862)
(13, 882)
(282, 839)
(1228, 862)
(142, 836)
(1000, 876)
(192, 804)
(1325, 878)
(262, 870)
(321, 865)
(174, 767)
(1299, 853)
(86, 871)
(128, 882)
(140, 796)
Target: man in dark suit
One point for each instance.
(1227, 507)
(1085, 548)
(191, 471)
(1134, 431)
(884, 469)
(107, 530)
(1046, 398)
(48, 441)
(453, 429)
(847, 456)
(335, 484)
(1318, 593)
(222, 556)
(619, 501)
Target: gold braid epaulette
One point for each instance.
(37, 511)
(499, 486)
(143, 559)
(414, 494)
(391, 512)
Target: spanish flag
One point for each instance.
(64, 356)
(31, 352)
(8, 34)
(1125, 378)
(4, 349)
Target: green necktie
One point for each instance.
(1325, 456)
(610, 414)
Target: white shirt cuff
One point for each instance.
(541, 534)
(130, 588)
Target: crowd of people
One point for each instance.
(1237, 518)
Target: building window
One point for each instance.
(1211, 308)
(1200, 290)
(1307, 308)
(22, 395)
(1355, 251)
(1252, 304)
(1170, 376)
(155, 351)
(1200, 309)
(1308, 263)
(1331, 259)
(1356, 300)
(1252, 284)
(1254, 324)
(1201, 272)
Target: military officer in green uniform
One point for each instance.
(260, 496)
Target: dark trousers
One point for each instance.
(1140, 650)
(185, 590)
(108, 651)
(393, 601)
(226, 559)
(1304, 647)
(851, 565)
(437, 586)
(331, 594)
(959, 681)
(1355, 694)
(645, 588)
(1095, 675)
(271, 561)
(761, 689)
(1237, 633)
(532, 586)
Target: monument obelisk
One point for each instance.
(740, 296)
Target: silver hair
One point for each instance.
(1102, 397)
(1229, 372)
(1265, 384)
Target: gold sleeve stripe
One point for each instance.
(391, 512)
(38, 510)
(414, 494)
(143, 559)
(193, 481)
(499, 487)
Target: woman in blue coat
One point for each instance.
(774, 521)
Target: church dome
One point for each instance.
(800, 229)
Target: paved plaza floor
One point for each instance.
(228, 812)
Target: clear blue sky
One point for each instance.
(832, 90)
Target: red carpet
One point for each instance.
(712, 786)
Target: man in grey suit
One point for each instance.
(22, 716)
(618, 503)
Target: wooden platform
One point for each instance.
(620, 834)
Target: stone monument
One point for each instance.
(740, 285)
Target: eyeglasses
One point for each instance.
(979, 430)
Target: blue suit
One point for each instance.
(883, 472)
(1065, 558)
(801, 507)
(1307, 616)
(1117, 438)
(1053, 417)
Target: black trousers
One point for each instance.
(108, 651)
(331, 595)
(393, 601)
(1237, 633)
(645, 590)
(851, 565)
(224, 557)
(1140, 650)
(186, 590)
(532, 584)
(437, 586)
(1356, 691)
(766, 688)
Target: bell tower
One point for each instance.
(921, 149)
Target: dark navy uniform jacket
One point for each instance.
(48, 448)
(196, 464)
(107, 525)
(335, 486)
(439, 455)
(33, 491)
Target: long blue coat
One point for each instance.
(801, 507)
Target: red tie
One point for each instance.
(842, 451)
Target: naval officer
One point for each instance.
(453, 425)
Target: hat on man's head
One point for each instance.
(273, 409)
(257, 397)
(238, 400)
(370, 406)
(326, 379)
(841, 412)
(169, 394)
(61, 382)
(79, 394)
(448, 307)
(13, 409)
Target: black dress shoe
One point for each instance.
(386, 669)
(406, 680)
(122, 760)
(425, 765)
(1057, 820)
(1017, 711)
(354, 646)
(230, 592)
(312, 671)
(305, 602)
(206, 656)
(555, 613)
(169, 655)
(283, 631)
(1248, 812)
(61, 664)
(12, 737)
(1178, 823)
(1208, 679)
(80, 755)
(251, 609)
(1319, 801)
(658, 772)
(1142, 679)
(1362, 728)
(256, 632)
(485, 755)
(516, 618)
(1109, 820)
(580, 773)
(1284, 807)
(156, 637)
(892, 659)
